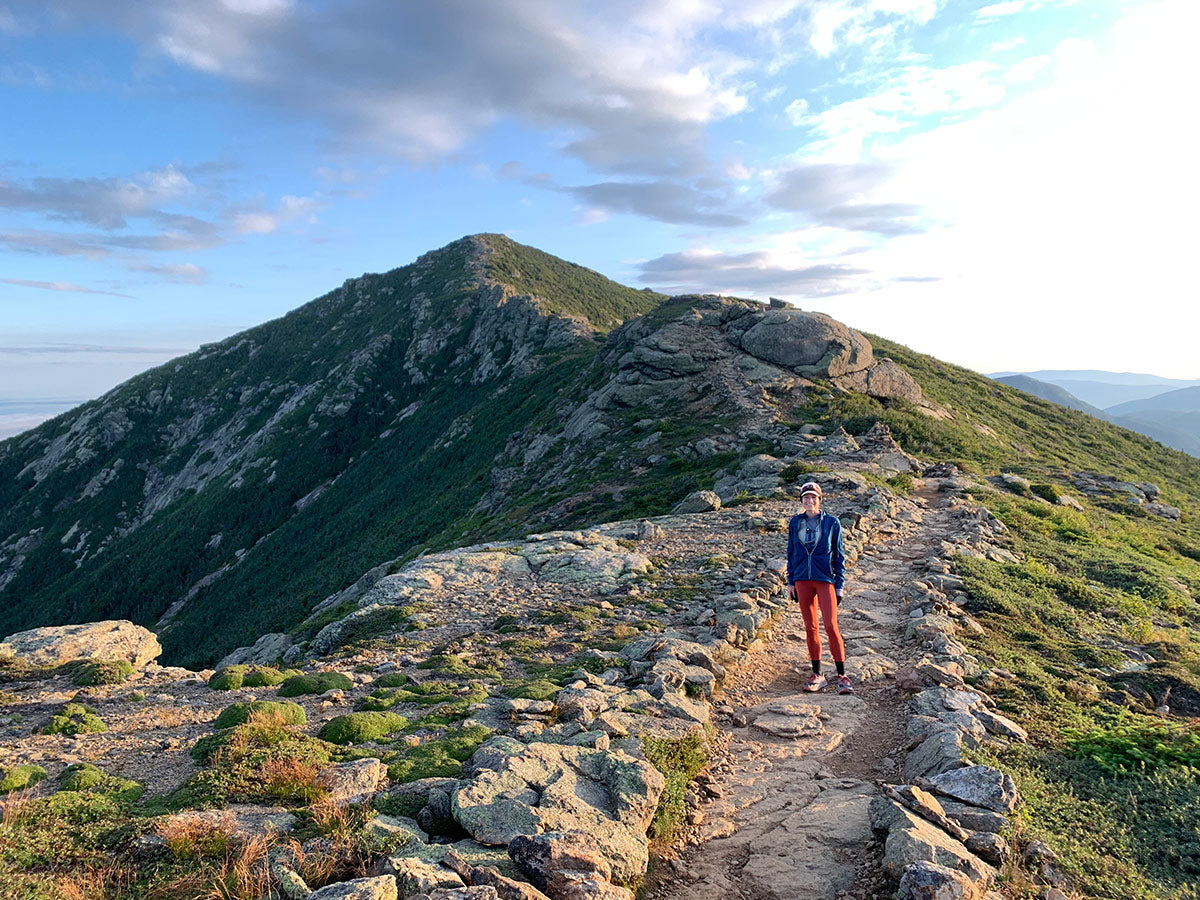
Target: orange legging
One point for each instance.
(808, 594)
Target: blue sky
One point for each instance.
(1007, 185)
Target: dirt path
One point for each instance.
(785, 814)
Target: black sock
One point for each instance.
(816, 664)
(841, 667)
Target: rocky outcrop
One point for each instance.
(568, 865)
(55, 645)
(810, 344)
(698, 501)
(527, 789)
(884, 379)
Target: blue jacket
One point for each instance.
(827, 562)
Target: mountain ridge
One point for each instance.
(519, 543)
(429, 407)
(268, 384)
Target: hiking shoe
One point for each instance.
(844, 686)
(815, 683)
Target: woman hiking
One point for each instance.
(816, 574)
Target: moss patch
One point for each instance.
(532, 689)
(88, 777)
(86, 673)
(439, 758)
(14, 778)
(359, 727)
(316, 683)
(231, 678)
(73, 719)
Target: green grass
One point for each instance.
(565, 288)
(1139, 748)
(679, 760)
(281, 711)
(1112, 787)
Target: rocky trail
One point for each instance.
(786, 810)
(655, 630)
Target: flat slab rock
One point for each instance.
(239, 819)
(115, 639)
(381, 887)
(801, 858)
(807, 715)
(981, 786)
(788, 719)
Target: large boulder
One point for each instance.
(530, 789)
(929, 881)
(55, 645)
(267, 650)
(911, 839)
(981, 786)
(353, 780)
(808, 343)
(698, 502)
(241, 820)
(884, 379)
(567, 866)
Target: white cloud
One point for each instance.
(836, 24)
(1070, 210)
(181, 273)
(105, 202)
(797, 112)
(908, 96)
(754, 274)
(1005, 8)
(59, 286)
(264, 221)
(1006, 45)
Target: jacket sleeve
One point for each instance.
(838, 555)
(791, 549)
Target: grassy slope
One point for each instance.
(565, 288)
(1108, 782)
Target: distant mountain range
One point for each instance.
(1105, 389)
(1165, 409)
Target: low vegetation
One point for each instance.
(361, 727)
(679, 760)
(316, 683)
(441, 757)
(86, 673)
(74, 719)
(280, 711)
(231, 678)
